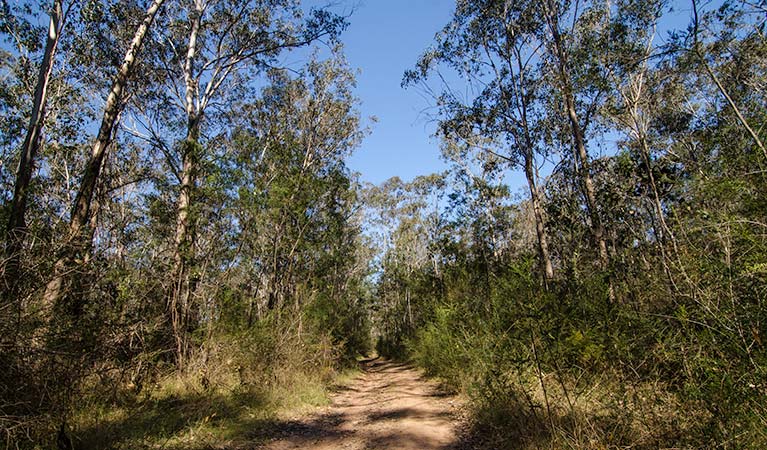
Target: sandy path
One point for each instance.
(389, 406)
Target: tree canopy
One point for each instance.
(185, 245)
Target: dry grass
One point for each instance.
(595, 412)
(227, 397)
(179, 412)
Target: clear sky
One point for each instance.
(385, 38)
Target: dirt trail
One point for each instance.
(389, 406)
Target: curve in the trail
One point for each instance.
(389, 406)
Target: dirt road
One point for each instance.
(389, 406)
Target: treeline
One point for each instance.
(618, 302)
(175, 204)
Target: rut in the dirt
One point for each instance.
(389, 406)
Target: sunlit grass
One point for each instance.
(179, 413)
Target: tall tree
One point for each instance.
(635, 107)
(77, 239)
(216, 46)
(495, 44)
(291, 148)
(744, 18)
(16, 227)
(560, 47)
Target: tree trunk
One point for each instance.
(579, 141)
(75, 241)
(582, 157)
(722, 90)
(184, 238)
(16, 227)
(184, 243)
(547, 270)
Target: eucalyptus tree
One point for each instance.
(405, 223)
(293, 203)
(77, 239)
(31, 146)
(645, 84)
(55, 106)
(734, 30)
(577, 74)
(496, 44)
(212, 52)
(404, 218)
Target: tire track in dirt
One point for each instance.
(389, 406)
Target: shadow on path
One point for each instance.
(389, 406)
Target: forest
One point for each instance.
(186, 251)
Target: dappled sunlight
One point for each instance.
(388, 406)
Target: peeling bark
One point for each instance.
(180, 297)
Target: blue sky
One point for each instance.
(385, 38)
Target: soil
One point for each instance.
(389, 406)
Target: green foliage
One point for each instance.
(661, 343)
(230, 392)
(269, 277)
(504, 347)
(650, 333)
(346, 320)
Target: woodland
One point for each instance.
(185, 250)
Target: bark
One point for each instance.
(540, 225)
(519, 108)
(579, 141)
(583, 159)
(16, 227)
(547, 270)
(74, 244)
(197, 98)
(639, 130)
(179, 303)
(184, 244)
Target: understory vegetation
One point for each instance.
(232, 394)
(619, 301)
(178, 278)
(187, 255)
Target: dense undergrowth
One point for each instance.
(618, 300)
(179, 285)
(569, 369)
(229, 394)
